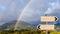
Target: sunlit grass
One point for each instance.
(28, 32)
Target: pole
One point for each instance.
(46, 24)
(46, 30)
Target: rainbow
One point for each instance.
(20, 15)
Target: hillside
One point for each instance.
(21, 25)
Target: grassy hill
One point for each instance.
(21, 25)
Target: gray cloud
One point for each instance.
(39, 8)
(36, 9)
(13, 9)
(54, 6)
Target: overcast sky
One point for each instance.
(10, 9)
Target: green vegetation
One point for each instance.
(27, 32)
(55, 32)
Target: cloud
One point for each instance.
(1, 15)
(33, 12)
(54, 6)
(13, 9)
(39, 8)
(36, 9)
(30, 15)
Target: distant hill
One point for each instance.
(21, 25)
(57, 26)
(7, 25)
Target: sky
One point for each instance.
(11, 9)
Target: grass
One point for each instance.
(27, 32)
